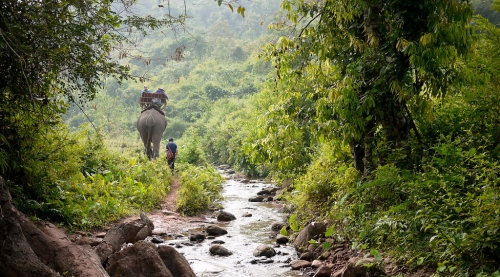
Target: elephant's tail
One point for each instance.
(150, 122)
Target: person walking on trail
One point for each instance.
(171, 150)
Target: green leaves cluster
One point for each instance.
(363, 62)
(52, 54)
(101, 198)
(74, 179)
(199, 188)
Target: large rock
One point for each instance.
(175, 262)
(219, 250)
(264, 250)
(215, 230)
(313, 230)
(277, 226)
(257, 198)
(360, 267)
(196, 236)
(298, 264)
(323, 271)
(281, 239)
(129, 232)
(139, 260)
(225, 216)
(39, 250)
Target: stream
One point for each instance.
(244, 235)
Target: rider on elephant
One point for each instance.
(160, 90)
(146, 89)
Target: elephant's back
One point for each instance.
(150, 118)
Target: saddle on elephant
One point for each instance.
(153, 99)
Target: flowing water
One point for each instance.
(244, 235)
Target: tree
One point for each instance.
(368, 62)
(57, 52)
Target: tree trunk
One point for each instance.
(357, 154)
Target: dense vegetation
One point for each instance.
(380, 118)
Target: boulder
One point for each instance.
(264, 250)
(323, 271)
(219, 250)
(264, 192)
(215, 230)
(281, 239)
(139, 260)
(129, 232)
(298, 264)
(277, 226)
(307, 256)
(225, 216)
(313, 230)
(196, 236)
(40, 249)
(361, 267)
(257, 198)
(175, 262)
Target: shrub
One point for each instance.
(199, 187)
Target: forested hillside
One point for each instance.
(380, 118)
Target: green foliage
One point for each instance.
(199, 188)
(121, 190)
(53, 54)
(191, 151)
(74, 179)
(327, 180)
(446, 214)
(358, 64)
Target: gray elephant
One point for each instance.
(151, 125)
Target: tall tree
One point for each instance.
(367, 60)
(55, 52)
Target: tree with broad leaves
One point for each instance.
(367, 63)
(57, 52)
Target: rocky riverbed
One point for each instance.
(243, 238)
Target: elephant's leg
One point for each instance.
(156, 145)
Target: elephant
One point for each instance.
(151, 125)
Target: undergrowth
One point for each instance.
(443, 216)
(199, 188)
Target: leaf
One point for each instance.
(313, 241)
(283, 231)
(219, 2)
(375, 254)
(420, 260)
(293, 224)
(344, 198)
(329, 232)
(326, 245)
(231, 7)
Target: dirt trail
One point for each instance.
(166, 218)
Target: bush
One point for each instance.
(199, 187)
(123, 189)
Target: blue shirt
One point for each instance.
(173, 147)
(161, 91)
